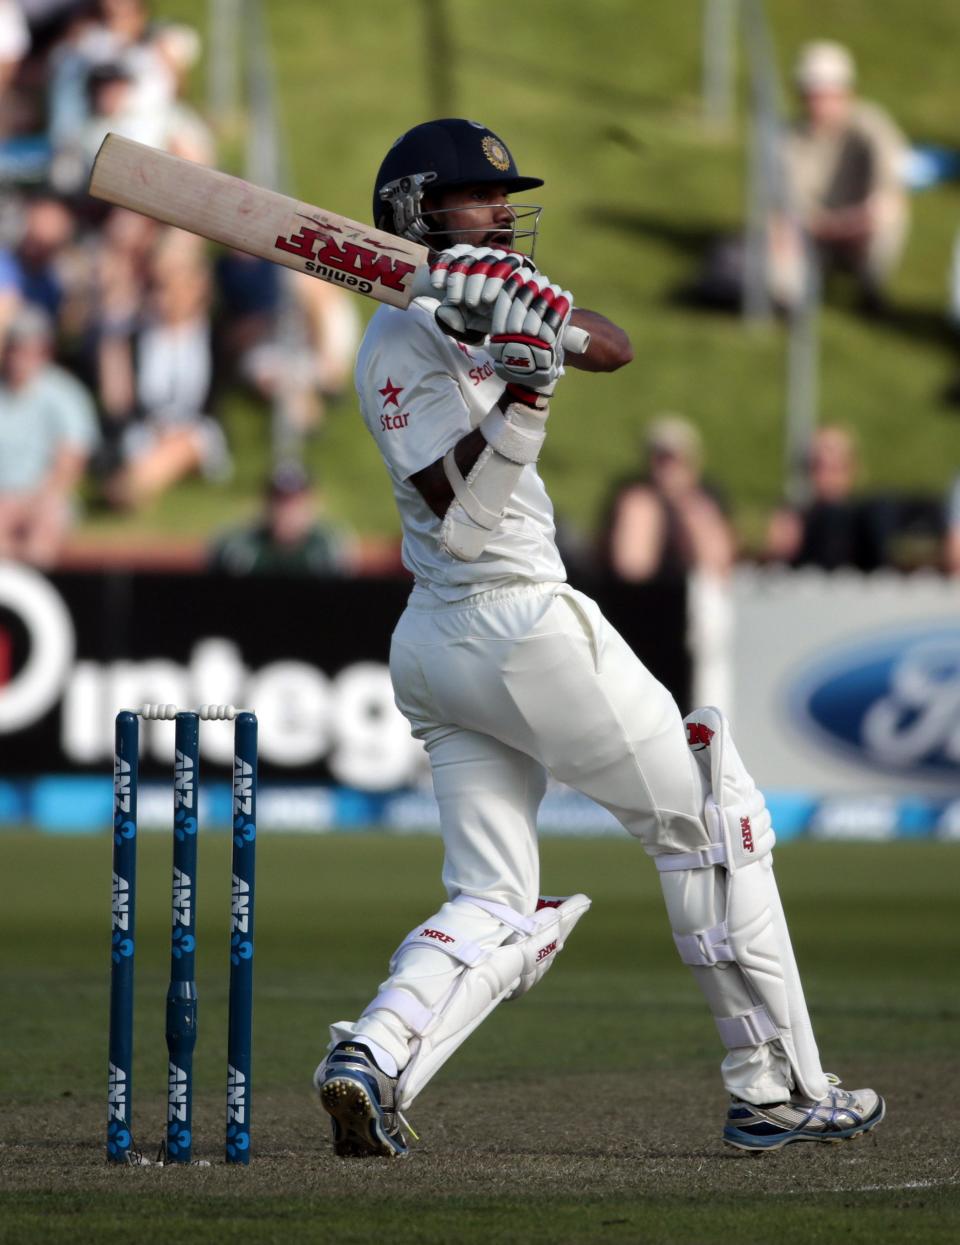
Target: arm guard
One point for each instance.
(514, 437)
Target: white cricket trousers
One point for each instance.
(503, 689)
(517, 683)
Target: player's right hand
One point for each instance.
(474, 277)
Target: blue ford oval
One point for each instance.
(891, 702)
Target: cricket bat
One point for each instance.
(269, 225)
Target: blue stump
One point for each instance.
(239, 1035)
(120, 1057)
(181, 1027)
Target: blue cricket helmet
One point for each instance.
(440, 155)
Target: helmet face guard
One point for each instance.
(442, 155)
(403, 199)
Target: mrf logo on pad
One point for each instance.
(547, 950)
(699, 735)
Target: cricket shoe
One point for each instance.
(842, 1114)
(361, 1103)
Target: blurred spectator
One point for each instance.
(952, 390)
(29, 270)
(114, 107)
(47, 431)
(14, 47)
(50, 20)
(249, 294)
(24, 150)
(290, 537)
(14, 42)
(110, 105)
(667, 521)
(123, 250)
(155, 366)
(845, 161)
(287, 335)
(952, 535)
(110, 31)
(836, 527)
(119, 72)
(9, 296)
(186, 134)
(329, 335)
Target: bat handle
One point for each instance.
(575, 341)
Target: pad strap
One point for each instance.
(705, 858)
(751, 1028)
(707, 948)
(508, 916)
(441, 938)
(410, 1010)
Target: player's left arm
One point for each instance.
(609, 347)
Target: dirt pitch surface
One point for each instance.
(600, 1157)
(590, 1110)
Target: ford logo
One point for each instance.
(892, 702)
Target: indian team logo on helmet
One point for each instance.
(495, 152)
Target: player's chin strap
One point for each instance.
(514, 431)
(485, 976)
(730, 928)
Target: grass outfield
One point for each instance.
(604, 103)
(588, 1111)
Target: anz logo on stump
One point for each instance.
(891, 701)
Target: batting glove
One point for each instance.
(474, 277)
(526, 334)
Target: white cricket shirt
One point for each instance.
(420, 393)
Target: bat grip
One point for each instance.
(575, 341)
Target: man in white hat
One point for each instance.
(844, 161)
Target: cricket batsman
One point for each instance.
(507, 675)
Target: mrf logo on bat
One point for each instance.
(358, 264)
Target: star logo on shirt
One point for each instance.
(389, 394)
